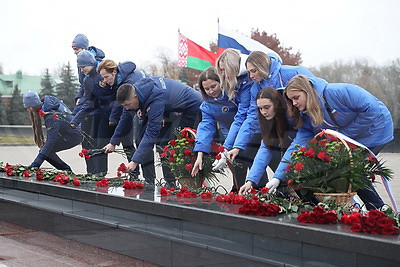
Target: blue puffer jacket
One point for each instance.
(56, 128)
(242, 97)
(213, 110)
(99, 56)
(157, 97)
(359, 114)
(280, 75)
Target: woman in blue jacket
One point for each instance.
(314, 104)
(98, 101)
(216, 109)
(60, 135)
(276, 131)
(236, 85)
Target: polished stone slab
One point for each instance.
(155, 228)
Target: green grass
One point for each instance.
(16, 139)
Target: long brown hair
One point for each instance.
(275, 130)
(209, 74)
(314, 111)
(37, 126)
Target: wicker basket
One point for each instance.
(340, 198)
(191, 182)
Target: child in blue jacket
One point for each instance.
(60, 135)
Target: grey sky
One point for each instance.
(37, 34)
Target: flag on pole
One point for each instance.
(231, 39)
(194, 56)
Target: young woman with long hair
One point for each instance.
(60, 135)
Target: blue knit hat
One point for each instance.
(80, 41)
(85, 58)
(31, 99)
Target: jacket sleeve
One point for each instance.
(303, 135)
(116, 112)
(260, 163)
(206, 130)
(155, 115)
(124, 126)
(53, 129)
(240, 116)
(250, 124)
(363, 104)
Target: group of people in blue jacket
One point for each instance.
(259, 106)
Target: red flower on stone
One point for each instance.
(27, 174)
(76, 182)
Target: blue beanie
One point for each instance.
(31, 99)
(80, 41)
(85, 58)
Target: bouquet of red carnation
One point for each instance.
(179, 156)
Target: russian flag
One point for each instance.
(231, 39)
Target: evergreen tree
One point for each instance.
(47, 85)
(3, 114)
(66, 89)
(17, 114)
(183, 76)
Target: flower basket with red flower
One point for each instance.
(329, 166)
(179, 156)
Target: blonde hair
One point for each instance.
(314, 110)
(107, 64)
(37, 127)
(261, 62)
(230, 59)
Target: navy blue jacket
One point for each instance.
(219, 110)
(56, 128)
(99, 56)
(158, 97)
(359, 114)
(98, 98)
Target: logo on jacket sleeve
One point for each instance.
(225, 109)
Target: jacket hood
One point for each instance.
(318, 84)
(275, 66)
(97, 52)
(124, 69)
(50, 103)
(144, 88)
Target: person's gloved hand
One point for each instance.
(220, 163)
(273, 184)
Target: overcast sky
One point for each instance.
(37, 34)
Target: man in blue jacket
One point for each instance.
(156, 98)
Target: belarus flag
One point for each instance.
(194, 56)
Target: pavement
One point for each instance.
(25, 247)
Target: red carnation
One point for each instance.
(298, 166)
(218, 157)
(76, 182)
(310, 153)
(172, 143)
(189, 167)
(290, 183)
(187, 152)
(42, 113)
